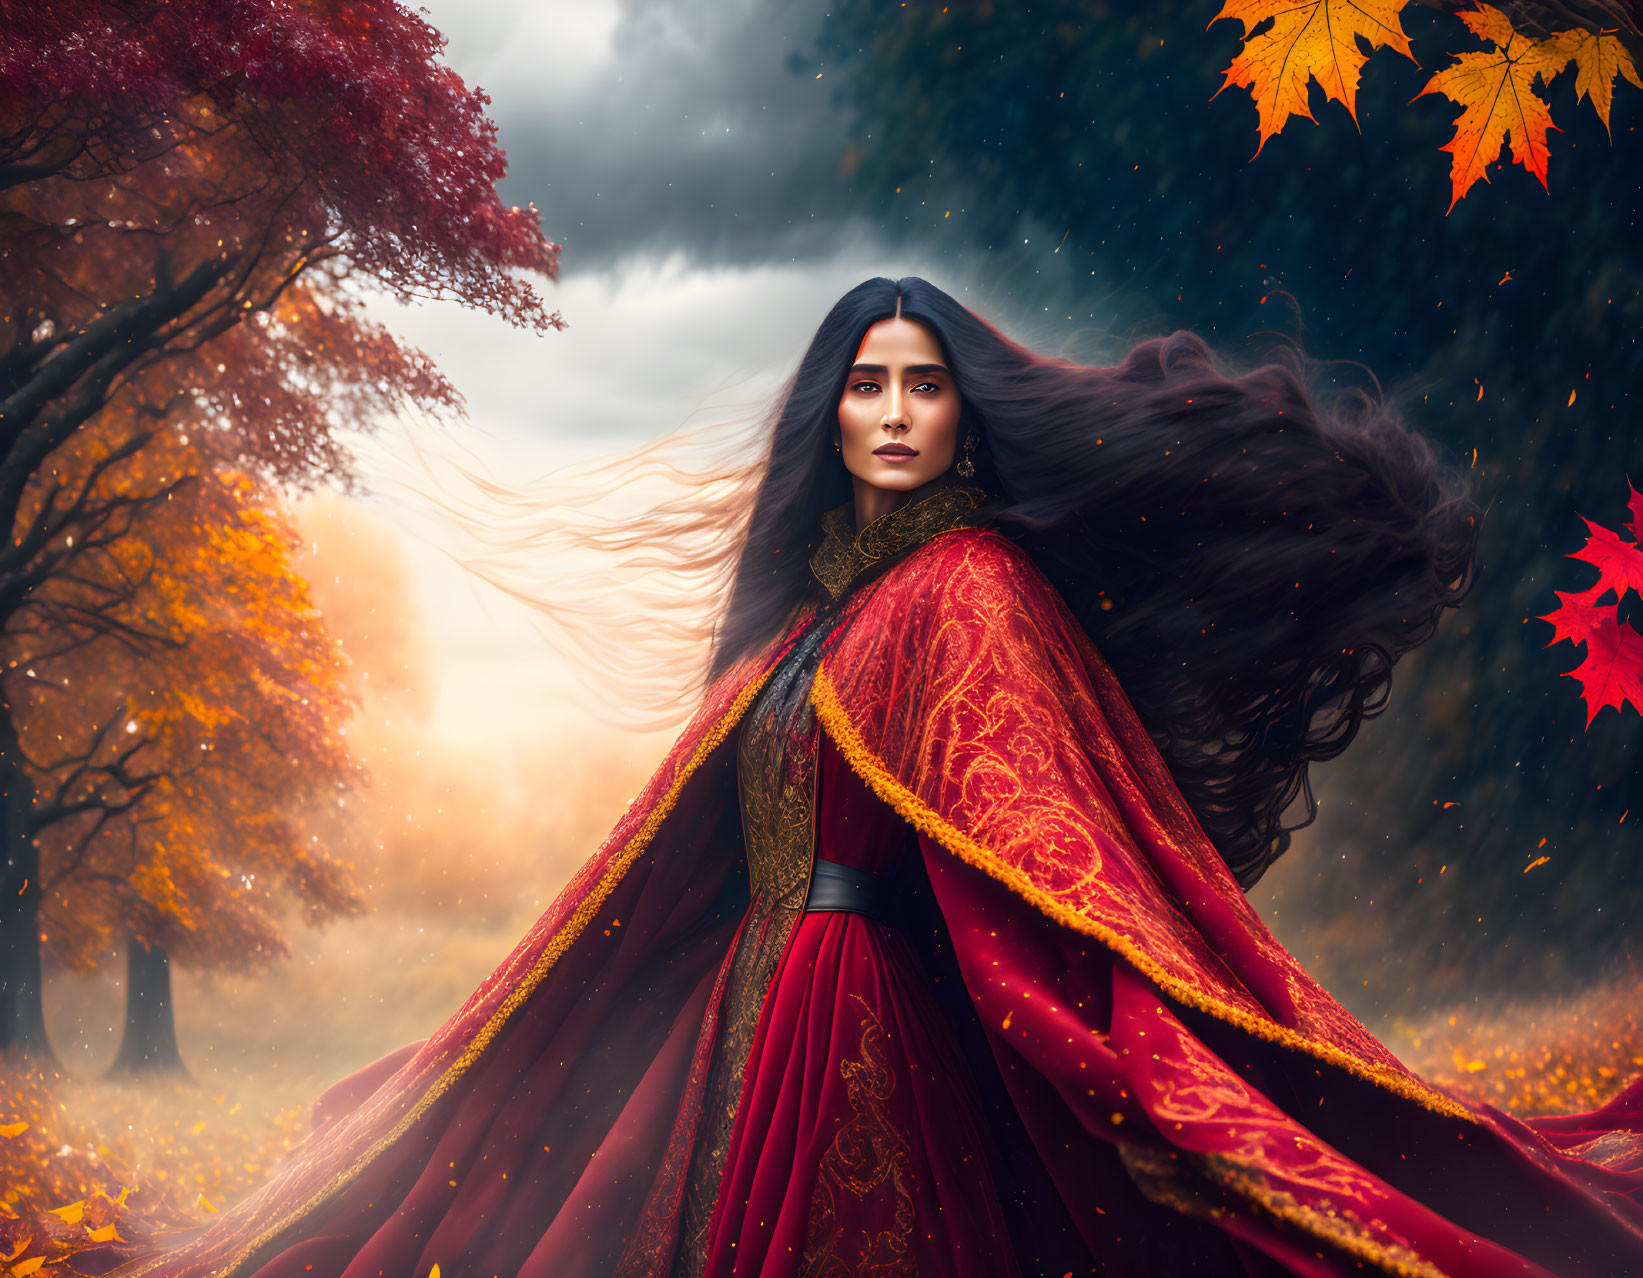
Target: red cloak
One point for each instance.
(1189, 1096)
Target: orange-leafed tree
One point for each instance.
(191, 197)
(180, 709)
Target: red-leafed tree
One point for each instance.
(192, 196)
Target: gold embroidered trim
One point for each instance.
(554, 951)
(776, 776)
(1341, 1229)
(1158, 1175)
(1178, 1179)
(916, 813)
(843, 554)
(868, 1156)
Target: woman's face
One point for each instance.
(898, 416)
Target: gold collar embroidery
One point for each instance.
(843, 553)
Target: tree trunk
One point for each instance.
(22, 1016)
(149, 1045)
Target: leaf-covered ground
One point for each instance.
(86, 1164)
(102, 1165)
(1561, 1057)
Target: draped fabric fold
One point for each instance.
(1114, 963)
(539, 1070)
(1165, 1089)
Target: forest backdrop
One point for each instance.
(391, 748)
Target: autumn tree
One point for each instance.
(192, 197)
(180, 709)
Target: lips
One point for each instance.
(895, 450)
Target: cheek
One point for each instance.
(853, 422)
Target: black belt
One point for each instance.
(835, 886)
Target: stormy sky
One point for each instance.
(689, 158)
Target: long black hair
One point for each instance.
(1250, 560)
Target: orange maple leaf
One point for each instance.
(1598, 57)
(1310, 40)
(1497, 91)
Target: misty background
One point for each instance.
(719, 173)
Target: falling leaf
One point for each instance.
(1571, 400)
(14, 1129)
(1612, 673)
(1538, 861)
(106, 1234)
(25, 1267)
(1306, 42)
(206, 1203)
(1497, 91)
(71, 1214)
(1619, 563)
(1598, 57)
(1575, 618)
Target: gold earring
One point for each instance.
(966, 467)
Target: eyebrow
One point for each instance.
(917, 370)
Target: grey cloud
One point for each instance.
(662, 125)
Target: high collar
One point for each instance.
(844, 553)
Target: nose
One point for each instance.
(895, 409)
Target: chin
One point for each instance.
(901, 479)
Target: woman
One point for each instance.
(924, 951)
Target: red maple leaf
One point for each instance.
(1619, 562)
(1612, 672)
(1575, 618)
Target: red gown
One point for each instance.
(1076, 1050)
